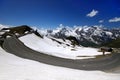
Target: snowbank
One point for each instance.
(16, 68)
(48, 46)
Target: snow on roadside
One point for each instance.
(50, 47)
(16, 68)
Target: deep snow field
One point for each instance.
(48, 46)
(16, 68)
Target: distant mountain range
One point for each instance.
(93, 36)
(86, 36)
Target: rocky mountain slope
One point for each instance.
(92, 36)
(86, 36)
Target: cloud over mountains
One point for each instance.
(116, 19)
(92, 13)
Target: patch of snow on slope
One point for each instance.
(2, 26)
(109, 33)
(50, 47)
(86, 28)
(16, 68)
(41, 31)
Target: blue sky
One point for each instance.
(51, 13)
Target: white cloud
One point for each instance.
(92, 13)
(101, 21)
(116, 19)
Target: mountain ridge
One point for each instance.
(88, 36)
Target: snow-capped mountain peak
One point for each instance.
(85, 34)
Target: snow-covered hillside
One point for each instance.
(48, 46)
(16, 68)
(54, 43)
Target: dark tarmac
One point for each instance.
(16, 47)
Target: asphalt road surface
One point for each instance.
(16, 47)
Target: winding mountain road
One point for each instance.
(16, 47)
